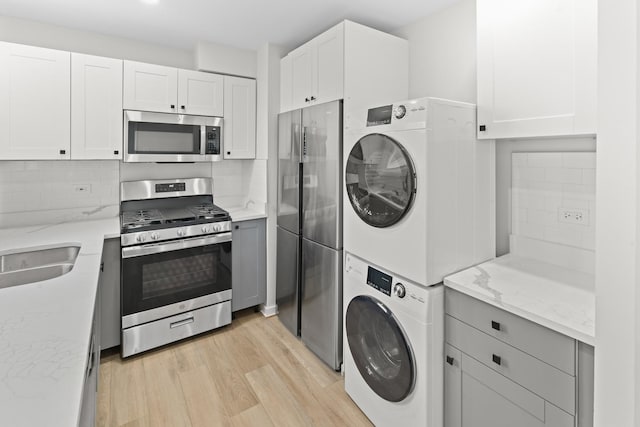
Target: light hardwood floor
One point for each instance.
(251, 373)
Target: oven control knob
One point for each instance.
(180, 232)
(205, 229)
(399, 290)
(155, 236)
(141, 238)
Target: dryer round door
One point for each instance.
(380, 349)
(380, 179)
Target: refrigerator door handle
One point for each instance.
(303, 145)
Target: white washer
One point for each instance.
(420, 188)
(393, 346)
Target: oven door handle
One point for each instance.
(156, 248)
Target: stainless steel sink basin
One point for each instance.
(35, 265)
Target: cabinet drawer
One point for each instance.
(543, 343)
(542, 379)
(150, 335)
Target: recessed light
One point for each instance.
(150, 1)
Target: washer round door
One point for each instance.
(380, 349)
(380, 180)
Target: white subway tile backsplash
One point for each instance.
(544, 186)
(563, 175)
(579, 160)
(544, 160)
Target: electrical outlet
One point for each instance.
(82, 188)
(573, 216)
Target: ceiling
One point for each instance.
(241, 23)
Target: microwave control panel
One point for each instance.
(213, 140)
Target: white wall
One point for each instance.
(34, 33)
(442, 53)
(617, 350)
(222, 59)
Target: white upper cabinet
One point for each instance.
(239, 140)
(316, 70)
(286, 97)
(363, 66)
(328, 69)
(96, 107)
(35, 107)
(537, 63)
(200, 93)
(149, 87)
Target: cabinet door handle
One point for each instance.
(482, 128)
(495, 325)
(307, 100)
(313, 98)
(63, 151)
(173, 106)
(116, 152)
(237, 227)
(228, 153)
(182, 107)
(496, 359)
(450, 360)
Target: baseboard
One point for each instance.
(268, 311)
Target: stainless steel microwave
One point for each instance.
(161, 137)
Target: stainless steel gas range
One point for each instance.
(176, 262)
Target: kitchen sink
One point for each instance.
(35, 265)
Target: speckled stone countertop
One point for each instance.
(45, 327)
(552, 296)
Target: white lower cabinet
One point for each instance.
(490, 381)
(96, 107)
(35, 108)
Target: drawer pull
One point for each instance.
(496, 359)
(450, 360)
(495, 325)
(181, 323)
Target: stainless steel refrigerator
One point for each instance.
(309, 249)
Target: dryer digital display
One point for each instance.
(379, 280)
(379, 115)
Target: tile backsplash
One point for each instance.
(37, 192)
(553, 198)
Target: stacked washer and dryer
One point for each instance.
(419, 205)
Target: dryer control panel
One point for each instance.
(409, 114)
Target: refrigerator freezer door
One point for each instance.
(289, 146)
(321, 321)
(287, 289)
(322, 174)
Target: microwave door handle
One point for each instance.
(156, 248)
(203, 139)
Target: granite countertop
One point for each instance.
(45, 327)
(552, 296)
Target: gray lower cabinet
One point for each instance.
(109, 294)
(90, 390)
(248, 267)
(502, 370)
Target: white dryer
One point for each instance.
(393, 346)
(419, 197)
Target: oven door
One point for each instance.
(161, 137)
(162, 279)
